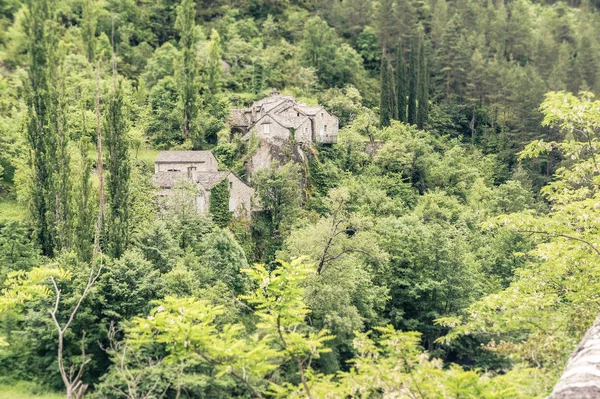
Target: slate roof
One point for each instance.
(170, 179)
(289, 122)
(184, 156)
(238, 117)
(274, 106)
(210, 179)
(167, 179)
(310, 110)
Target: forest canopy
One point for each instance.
(444, 245)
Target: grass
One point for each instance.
(148, 155)
(145, 154)
(11, 210)
(26, 390)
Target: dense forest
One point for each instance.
(446, 246)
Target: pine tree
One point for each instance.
(401, 87)
(386, 104)
(413, 79)
(186, 25)
(41, 127)
(423, 91)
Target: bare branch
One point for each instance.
(589, 244)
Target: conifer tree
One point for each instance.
(400, 86)
(386, 104)
(188, 86)
(413, 79)
(41, 127)
(423, 90)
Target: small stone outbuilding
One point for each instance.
(200, 168)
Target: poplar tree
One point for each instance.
(118, 171)
(41, 126)
(413, 79)
(401, 86)
(423, 90)
(215, 52)
(188, 87)
(386, 104)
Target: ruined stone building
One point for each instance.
(279, 121)
(200, 168)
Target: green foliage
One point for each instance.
(43, 118)
(547, 305)
(188, 89)
(118, 175)
(480, 213)
(386, 103)
(413, 78)
(401, 87)
(219, 203)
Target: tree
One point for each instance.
(413, 78)
(42, 126)
(215, 71)
(278, 191)
(188, 86)
(386, 104)
(546, 306)
(73, 378)
(401, 89)
(423, 89)
(119, 172)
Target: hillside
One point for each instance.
(422, 177)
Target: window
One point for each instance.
(230, 185)
(322, 115)
(325, 128)
(173, 170)
(266, 128)
(297, 113)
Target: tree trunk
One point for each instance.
(581, 376)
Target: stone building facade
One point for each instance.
(278, 117)
(200, 168)
(284, 127)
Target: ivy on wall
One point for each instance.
(219, 203)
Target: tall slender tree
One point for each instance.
(386, 102)
(413, 79)
(188, 85)
(215, 52)
(118, 170)
(423, 89)
(401, 92)
(41, 100)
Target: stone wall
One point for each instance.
(210, 166)
(326, 127)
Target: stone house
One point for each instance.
(200, 168)
(278, 118)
